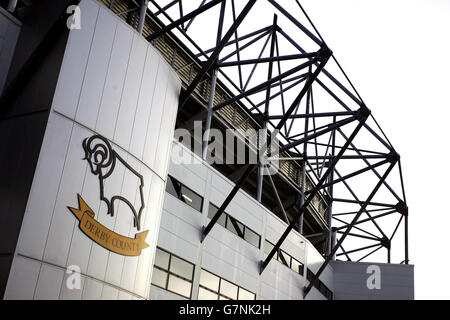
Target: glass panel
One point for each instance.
(159, 278)
(268, 247)
(191, 198)
(295, 265)
(180, 286)
(301, 269)
(223, 298)
(223, 219)
(172, 186)
(246, 295)
(162, 259)
(285, 258)
(209, 280)
(252, 237)
(212, 211)
(309, 275)
(204, 294)
(232, 226)
(228, 289)
(181, 267)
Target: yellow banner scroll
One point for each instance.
(105, 237)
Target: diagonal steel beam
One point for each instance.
(362, 120)
(268, 59)
(275, 191)
(324, 54)
(263, 85)
(296, 22)
(347, 231)
(227, 201)
(182, 20)
(355, 173)
(213, 58)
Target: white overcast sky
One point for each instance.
(397, 53)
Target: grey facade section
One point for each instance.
(350, 281)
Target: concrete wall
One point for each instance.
(350, 281)
(224, 253)
(9, 33)
(112, 83)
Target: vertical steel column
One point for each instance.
(405, 214)
(212, 91)
(305, 152)
(144, 5)
(333, 243)
(12, 4)
(330, 191)
(263, 140)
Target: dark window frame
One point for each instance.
(239, 233)
(218, 293)
(174, 274)
(278, 256)
(178, 186)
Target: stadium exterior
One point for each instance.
(111, 183)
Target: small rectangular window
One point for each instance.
(191, 198)
(228, 289)
(309, 275)
(212, 212)
(268, 248)
(246, 295)
(181, 268)
(179, 286)
(252, 237)
(172, 273)
(173, 187)
(284, 258)
(235, 226)
(213, 287)
(204, 294)
(159, 278)
(183, 193)
(162, 259)
(301, 269)
(209, 280)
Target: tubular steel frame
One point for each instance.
(317, 158)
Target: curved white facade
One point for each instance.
(114, 84)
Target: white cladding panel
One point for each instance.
(107, 85)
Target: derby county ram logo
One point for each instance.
(102, 160)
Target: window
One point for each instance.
(297, 266)
(213, 287)
(172, 273)
(319, 285)
(284, 257)
(183, 193)
(235, 226)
